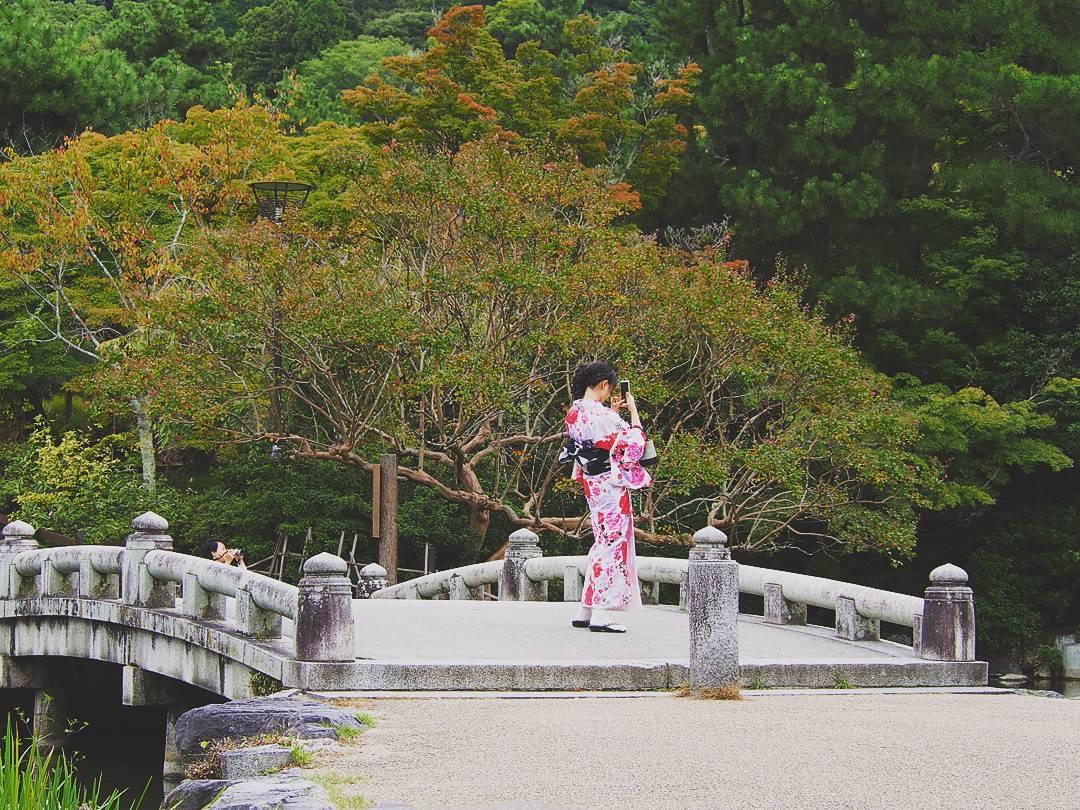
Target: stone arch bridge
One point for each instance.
(161, 614)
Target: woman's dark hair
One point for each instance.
(209, 547)
(589, 374)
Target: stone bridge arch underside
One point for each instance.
(166, 643)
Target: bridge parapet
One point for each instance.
(147, 573)
(859, 609)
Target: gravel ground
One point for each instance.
(769, 751)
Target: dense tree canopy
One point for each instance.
(906, 171)
(441, 314)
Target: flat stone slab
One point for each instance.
(258, 760)
(403, 630)
(274, 793)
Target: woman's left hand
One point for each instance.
(617, 403)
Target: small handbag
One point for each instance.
(648, 456)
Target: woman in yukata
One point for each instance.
(606, 452)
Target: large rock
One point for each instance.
(194, 794)
(306, 719)
(274, 793)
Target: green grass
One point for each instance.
(337, 785)
(757, 683)
(348, 734)
(840, 681)
(35, 777)
(365, 719)
(301, 756)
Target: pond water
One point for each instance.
(1069, 688)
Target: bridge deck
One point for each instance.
(441, 630)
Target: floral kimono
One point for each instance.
(611, 581)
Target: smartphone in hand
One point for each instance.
(624, 388)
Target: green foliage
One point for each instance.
(301, 757)
(263, 685)
(1050, 659)
(840, 681)
(56, 77)
(393, 343)
(78, 483)
(33, 367)
(613, 111)
(980, 442)
(275, 37)
(1026, 565)
(244, 499)
(35, 777)
(365, 719)
(340, 67)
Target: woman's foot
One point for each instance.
(584, 615)
(604, 622)
(607, 628)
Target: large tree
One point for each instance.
(441, 312)
(91, 232)
(615, 112)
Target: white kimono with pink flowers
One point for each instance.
(611, 581)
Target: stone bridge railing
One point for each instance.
(147, 573)
(859, 610)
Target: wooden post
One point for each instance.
(388, 503)
(376, 499)
(283, 550)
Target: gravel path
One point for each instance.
(770, 751)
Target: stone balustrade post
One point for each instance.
(713, 604)
(573, 583)
(137, 587)
(948, 620)
(650, 592)
(852, 625)
(17, 536)
(460, 590)
(95, 585)
(372, 578)
(200, 603)
(324, 621)
(779, 610)
(55, 583)
(252, 620)
(514, 584)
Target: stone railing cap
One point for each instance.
(949, 573)
(524, 535)
(373, 571)
(325, 563)
(150, 522)
(19, 528)
(710, 535)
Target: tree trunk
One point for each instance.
(146, 446)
